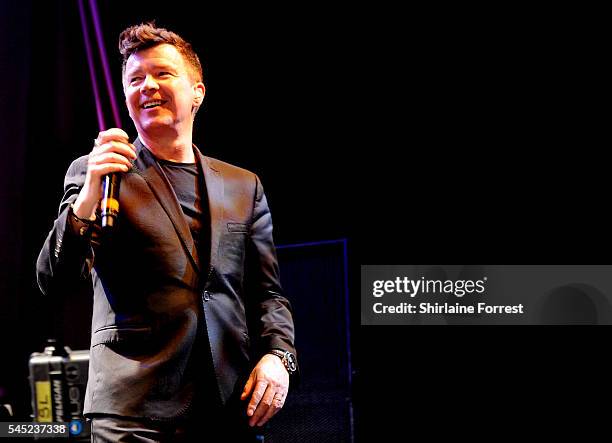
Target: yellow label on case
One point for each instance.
(44, 408)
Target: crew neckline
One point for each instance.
(171, 163)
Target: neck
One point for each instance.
(175, 149)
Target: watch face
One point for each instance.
(291, 364)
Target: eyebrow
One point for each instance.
(166, 66)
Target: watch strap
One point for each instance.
(287, 358)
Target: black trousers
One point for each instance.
(206, 421)
(115, 429)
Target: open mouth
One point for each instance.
(152, 104)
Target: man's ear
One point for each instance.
(200, 92)
(198, 98)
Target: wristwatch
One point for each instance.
(84, 225)
(287, 358)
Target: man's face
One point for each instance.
(159, 91)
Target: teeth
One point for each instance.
(151, 104)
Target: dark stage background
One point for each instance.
(273, 105)
(460, 134)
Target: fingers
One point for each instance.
(115, 140)
(109, 157)
(271, 384)
(128, 150)
(248, 387)
(107, 168)
(112, 152)
(267, 400)
(260, 389)
(112, 134)
(278, 400)
(106, 159)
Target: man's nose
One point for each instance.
(148, 84)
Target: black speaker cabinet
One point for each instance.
(314, 278)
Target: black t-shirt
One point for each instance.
(188, 187)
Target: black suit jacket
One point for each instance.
(153, 295)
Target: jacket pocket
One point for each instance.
(116, 334)
(238, 227)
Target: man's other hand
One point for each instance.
(269, 384)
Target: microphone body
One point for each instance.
(110, 199)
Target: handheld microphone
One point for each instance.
(110, 199)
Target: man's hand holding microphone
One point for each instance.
(112, 154)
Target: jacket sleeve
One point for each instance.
(67, 255)
(270, 312)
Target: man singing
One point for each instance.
(192, 338)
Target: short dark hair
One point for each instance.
(147, 35)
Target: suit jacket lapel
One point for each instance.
(147, 167)
(215, 190)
